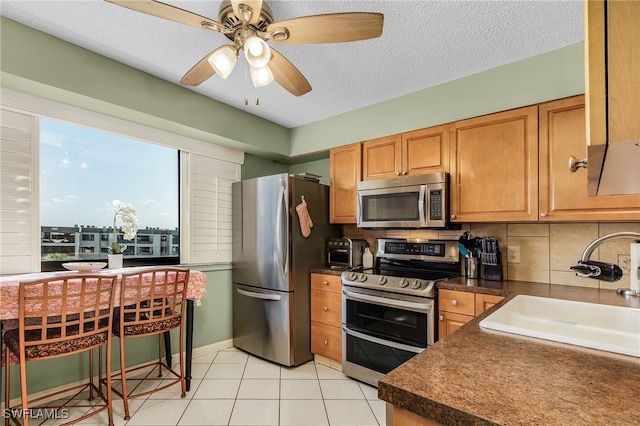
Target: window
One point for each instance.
(204, 173)
(82, 171)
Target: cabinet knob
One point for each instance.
(404, 172)
(575, 164)
(325, 283)
(453, 216)
(326, 309)
(325, 341)
(454, 302)
(440, 317)
(543, 214)
(397, 173)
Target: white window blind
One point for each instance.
(208, 195)
(19, 199)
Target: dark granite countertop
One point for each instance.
(482, 377)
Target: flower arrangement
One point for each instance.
(130, 225)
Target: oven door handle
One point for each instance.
(387, 301)
(382, 341)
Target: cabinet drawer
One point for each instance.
(326, 341)
(326, 282)
(326, 307)
(459, 302)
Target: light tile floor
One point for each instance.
(230, 387)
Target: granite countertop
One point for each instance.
(477, 376)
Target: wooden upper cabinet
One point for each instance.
(494, 167)
(612, 83)
(426, 150)
(345, 171)
(563, 195)
(382, 158)
(413, 153)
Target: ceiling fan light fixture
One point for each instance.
(223, 60)
(260, 76)
(257, 52)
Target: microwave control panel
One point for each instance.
(435, 204)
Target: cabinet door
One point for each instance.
(345, 164)
(494, 167)
(486, 301)
(426, 151)
(448, 322)
(612, 84)
(382, 158)
(563, 195)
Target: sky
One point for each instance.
(83, 170)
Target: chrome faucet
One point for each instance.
(604, 271)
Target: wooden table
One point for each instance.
(196, 289)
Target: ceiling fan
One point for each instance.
(249, 25)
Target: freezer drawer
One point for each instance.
(262, 323)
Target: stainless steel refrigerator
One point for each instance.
(271, 261)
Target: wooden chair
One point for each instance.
(152, 301)
(58, 317)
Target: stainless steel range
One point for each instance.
(388, 316)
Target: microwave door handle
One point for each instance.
(421, 212)
(359, 210)
(381, 341)
(387, 301)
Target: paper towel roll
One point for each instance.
(635, 267)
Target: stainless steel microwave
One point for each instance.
(404, 202)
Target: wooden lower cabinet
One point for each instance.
(486, 301)
(456, 308)
(402, 417)
(326, 316)
(449, 322)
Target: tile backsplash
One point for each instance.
(547, 250)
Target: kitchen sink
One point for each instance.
(608, 328)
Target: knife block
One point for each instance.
(491, 272)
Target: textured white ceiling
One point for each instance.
(423, 44)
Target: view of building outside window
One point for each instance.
(82, 171)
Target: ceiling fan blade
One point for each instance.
(287, 75)
(330, 28)
(172, 13)
(255, 5)
(199, 72)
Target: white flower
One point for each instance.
(130, 224)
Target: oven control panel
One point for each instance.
(431, 250)
(414, 286)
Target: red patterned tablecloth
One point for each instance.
(10, 285)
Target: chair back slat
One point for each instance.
(152, 295)
(53, 310)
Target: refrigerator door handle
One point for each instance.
(262, 296)
(280, 228)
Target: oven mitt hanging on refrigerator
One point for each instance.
(305, 219)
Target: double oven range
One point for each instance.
(388, 315)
